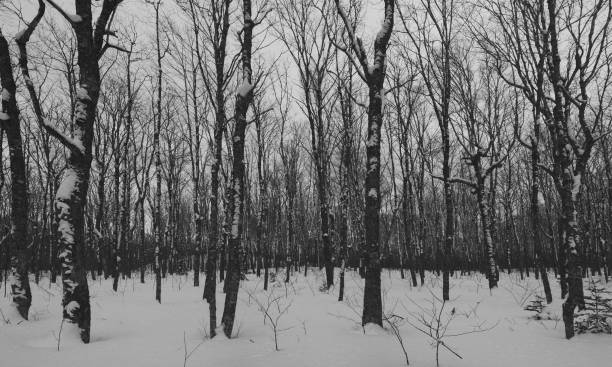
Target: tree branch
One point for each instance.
(70, 18)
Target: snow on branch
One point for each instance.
(245, 88)
(102, 25)
(74, 145)
(457, 180)
(22, 37)
(495, 165)
(346, 52)
(6, 95)
(108, 45)
(547, 169)
(384, 34)
(356, 42)
(462, 181)
(75, 18)
(71, 18)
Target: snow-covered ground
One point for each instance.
(130, 329)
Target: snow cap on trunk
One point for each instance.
(75, 18)
(6, 95)
(245, 88)
(19, 35)
(576, 186)
(83, 94)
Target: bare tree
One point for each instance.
(484, 113)
(11, 125)
(71, 196)
(157, 219)
(244, 96)
(374, 76)
(433, 39)
(301, 28)
(570, 89)
(213, 22)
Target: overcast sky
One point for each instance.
(141, 14)
(138, 10)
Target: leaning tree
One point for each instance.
(71, 197)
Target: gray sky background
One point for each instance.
(140, 14)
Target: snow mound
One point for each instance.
(10, 315)
(373, 329)
(219, 334)
(68, 334)
(548, 313)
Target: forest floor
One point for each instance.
(130, 329)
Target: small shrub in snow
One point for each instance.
(395, 322)
(597, 314)
(5, 319)
(536, 305)
(273, 308)
(520, 290)
(187, 353)
(324, 288)
(541, 311)
(435, 323)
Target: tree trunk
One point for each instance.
(235, 197)
(492, 271)
(71, 196)
(568, 184)
(125, 207)
(157, 230)
(116, 215)
(9, 121)
(535, 214)
(374, 76)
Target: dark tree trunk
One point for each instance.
(535, 214)
(346, 166)
(125, 237)
(143, 239)
(374, 76)
(157, 219)
(235, 197)
(568, 180)
(116, 249)
(449, 228)
(10, 123)
(71, 196)
(210, 284)
(263, 194)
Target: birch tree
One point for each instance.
(244, 97)
(157, 217)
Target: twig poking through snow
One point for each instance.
(186, 355)
(59, 334)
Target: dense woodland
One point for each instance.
(220, 138)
